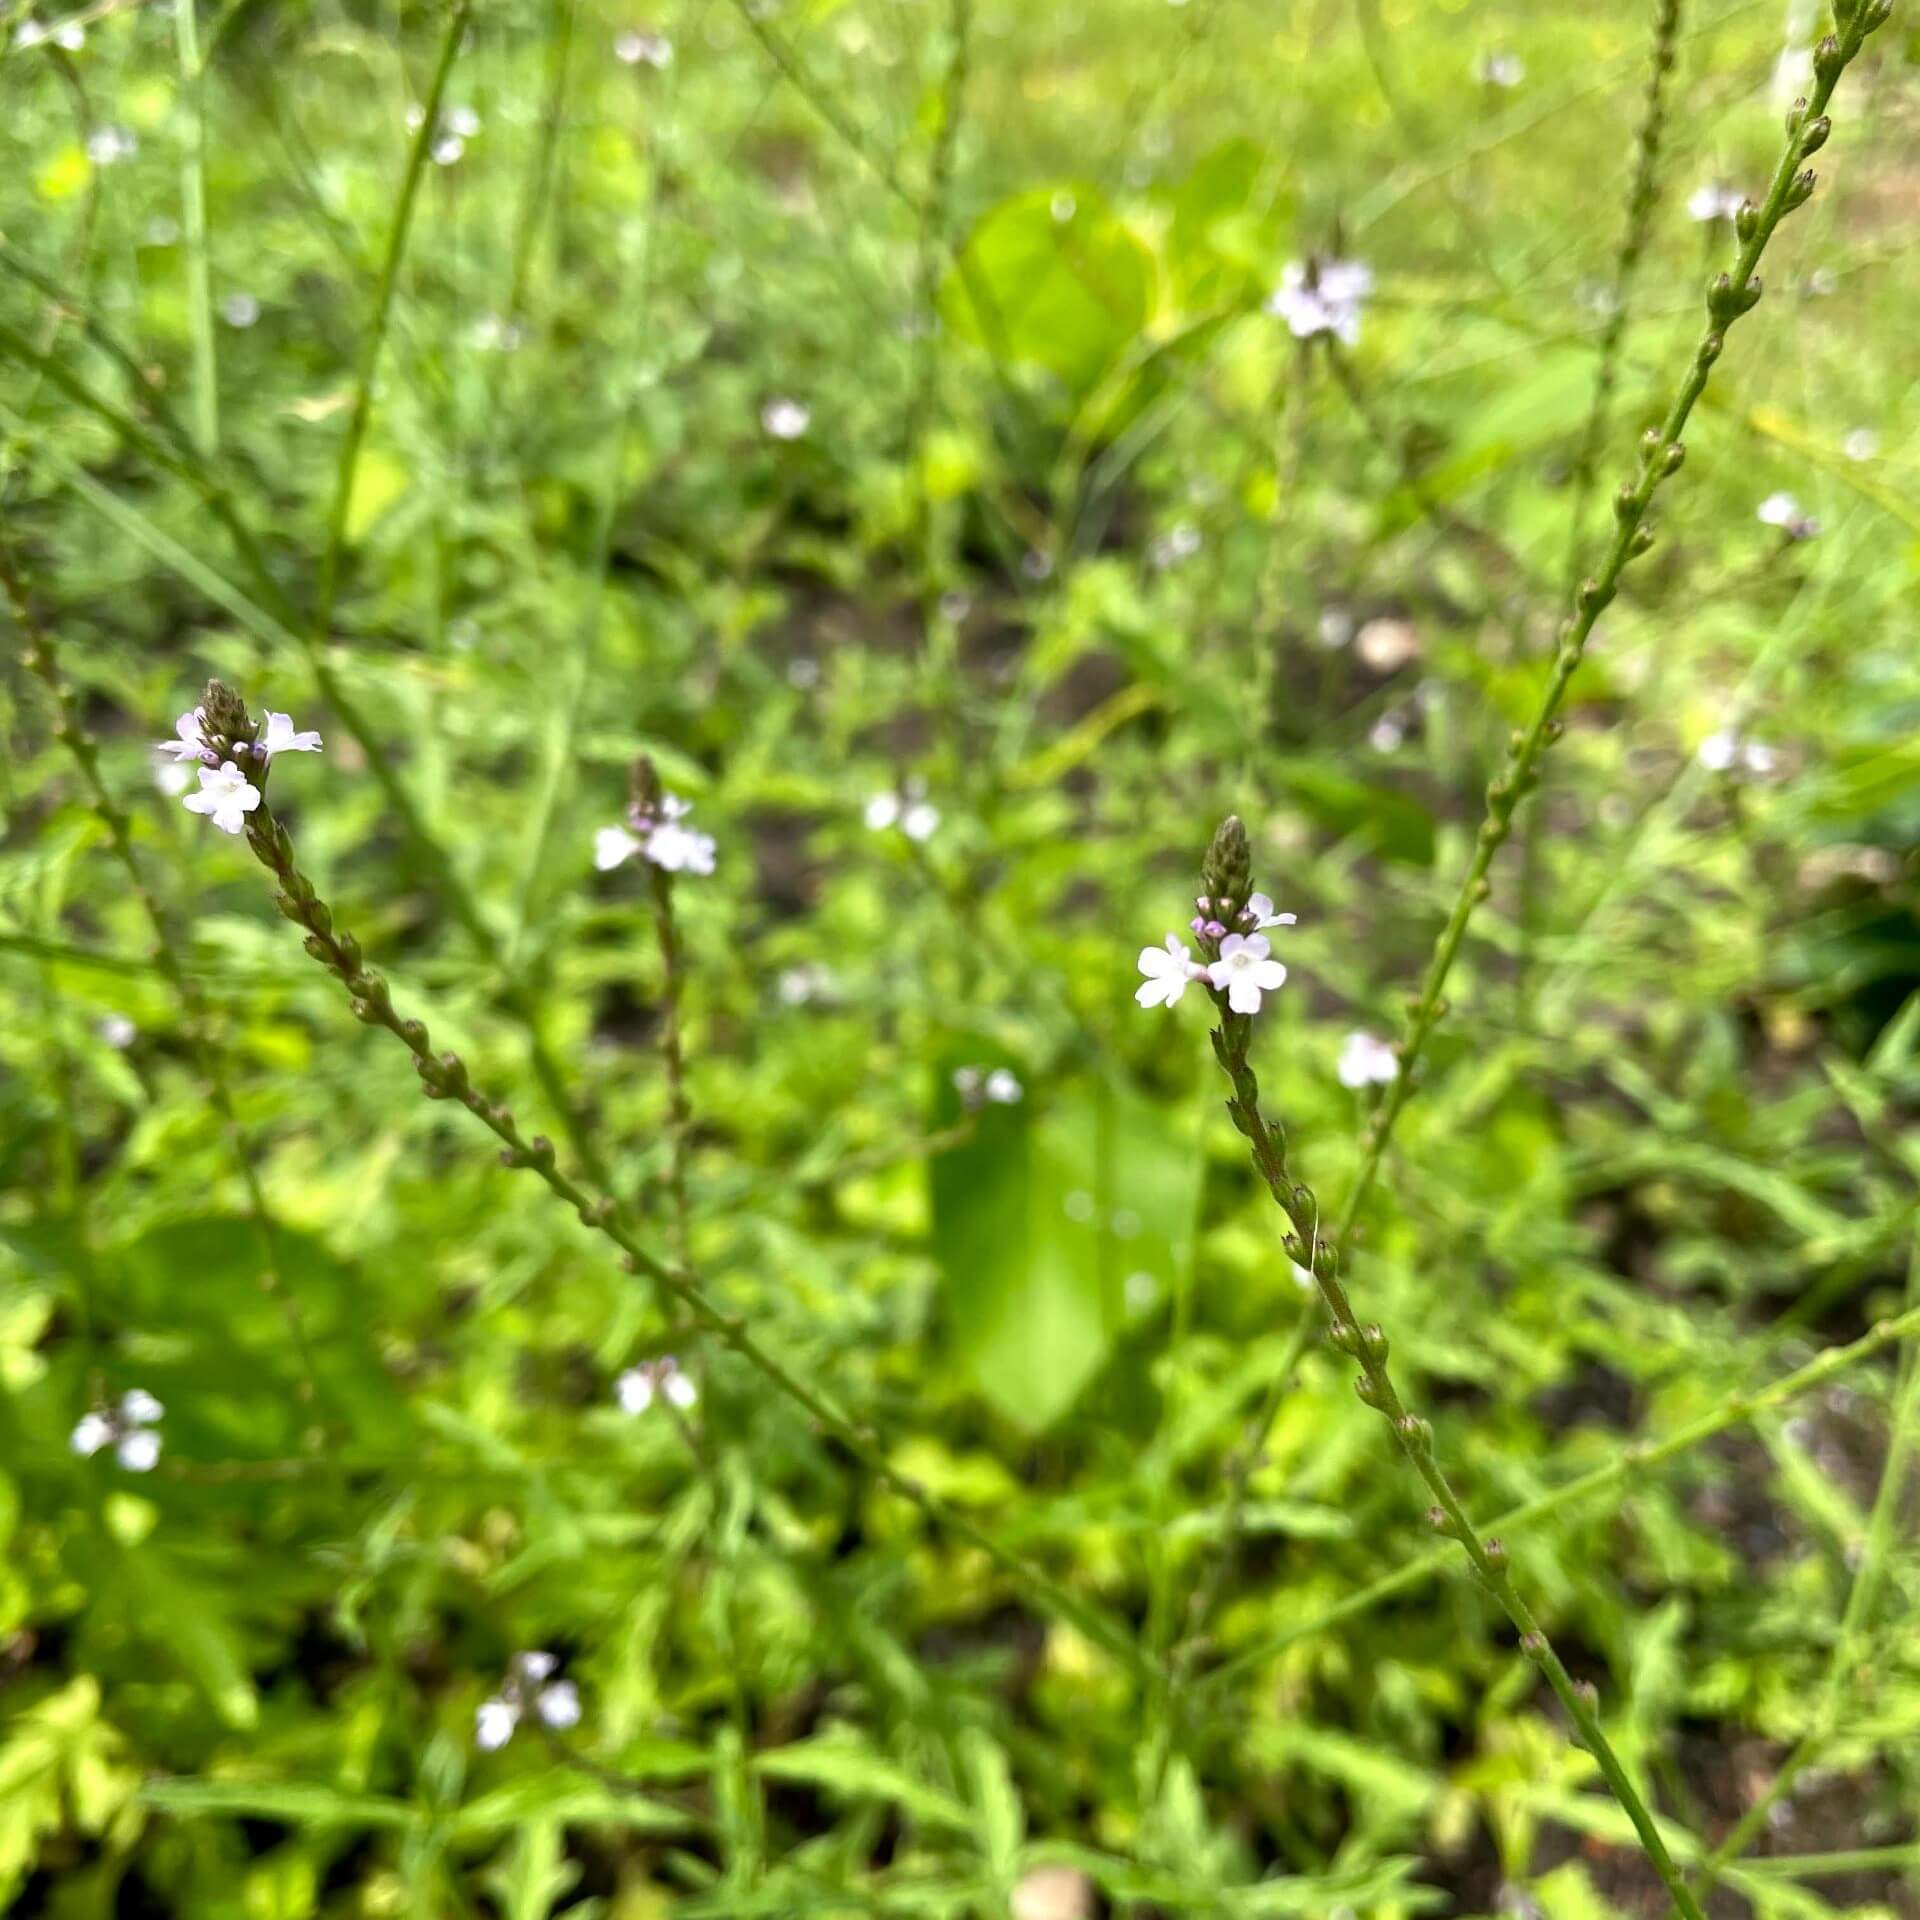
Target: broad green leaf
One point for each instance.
(843, 1763)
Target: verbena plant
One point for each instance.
(703, 1580)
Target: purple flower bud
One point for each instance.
(1214, 930)
(1197, 925)
(1204, 904)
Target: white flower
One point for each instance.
(29, 33)
(1782, 510)
(1366, 1061)
(1727, 751)
(612, 845)
(1259, 910)
(226, 796)
(559, 1704)
(127, 1428)
(1180, 542)
(665, 840)
(1861, 444)
(1500, 70)
(463, 122)
(638, 1388)
(106, 146)
(799, 986)
(239, 309)
(116, 1030)
(917, 818)
(447, 149)
(680, 849)
(1714, 200)
(1002, 1088)
(639, 47)
(191, 744)
(1322, 296)
(524, 1689)
(1168, 969)
(280, 736)
(977, 1086)
(492, 334)
(1245, 971)
(1387, 734)
(785, 419)
(493, 1724)
(70, 36)
(171, 780)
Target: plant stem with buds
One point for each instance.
(443, 1076)
(1226, 884)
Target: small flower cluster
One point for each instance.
(656, 829)
(661, 1379)
(641, 47)
(977, 1087)
(226, 794)
(1322, 295)
(1238, 962)
(527, 1688)
(129, 1429)
(1366, 1061)
(68, 35)
(1728, 751)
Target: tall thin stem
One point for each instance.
(40, 659)
(444, 1076)
(1227, 889)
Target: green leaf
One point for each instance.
(1052, 278)
(562, 1796)
(1046, 1225)
(296, 1803)
(843, 1763)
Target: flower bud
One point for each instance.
(1228, 868)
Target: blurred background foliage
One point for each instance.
(876, 399)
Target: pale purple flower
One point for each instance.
(1366, 1061)
(1168, 969)
(116, 1030)
(191, 745)
(1500, 70)
(1259, 912)
(915, 816)
(1246, 970)
(226, 797)
(1322, 296)
(129, 1428)
(107, 146)
(612, 846)
(664, 839)
(281, 737)
(1861, 444)
(239, 310)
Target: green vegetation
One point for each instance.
(876, 1445)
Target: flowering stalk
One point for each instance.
(1642, 197)
(39, 658)
(1226, 883)
(1732, 295)
(444, 1076)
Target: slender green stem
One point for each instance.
(444, 1076)
(1731, 296)
(1632, 1463)
(193, 230)
(1642, 198)
(1862, 1591)
(373, 341)
(40, 659)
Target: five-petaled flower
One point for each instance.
(1366, 1061)
(664, 1379)
(527, 1688)
(915, 817)
(1168, 969)
(1246, 970)
(226, 796)
(129, 1429)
